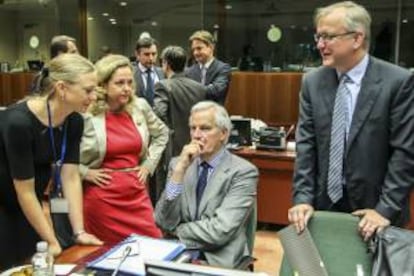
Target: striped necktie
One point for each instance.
(338, 141)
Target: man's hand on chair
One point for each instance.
(299, 215)
(370, 223)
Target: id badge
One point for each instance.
(59, 205)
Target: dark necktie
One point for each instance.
(202, 182)
(338, 141)
(149, 91)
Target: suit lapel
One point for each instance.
(217, 178)
(210, 70)
(138, 79)
(99, 124)
(370, 89)
(190, 188)
(327, 87)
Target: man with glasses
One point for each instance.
(355, 147)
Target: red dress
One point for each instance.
(122, 207)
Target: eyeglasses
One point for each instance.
(329, 37)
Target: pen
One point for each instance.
(125, 254)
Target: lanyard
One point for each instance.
(57, 162)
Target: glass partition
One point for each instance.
(25, 22)
(276, 33)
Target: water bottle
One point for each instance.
(42, 261)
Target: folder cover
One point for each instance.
(301, 252)
(138, 249)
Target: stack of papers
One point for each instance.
(136, 249)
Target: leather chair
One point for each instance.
(339, 243)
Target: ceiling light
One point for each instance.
(123, 4)
(105, 14)
(228, 7)
(90, 18)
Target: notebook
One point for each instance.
(301, 252)
(139, 249)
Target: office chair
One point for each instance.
(339, 243)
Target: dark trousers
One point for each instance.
(17, 239)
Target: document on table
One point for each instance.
(140, 248)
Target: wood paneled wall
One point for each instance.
(14, 87)
(270, 97)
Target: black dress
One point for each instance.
(25, 153)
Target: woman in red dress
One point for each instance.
(121, 145)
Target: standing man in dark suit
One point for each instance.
(355, 142)
(209, 199)
(173, 100)
(208, 70)
(146, 74)
(175, 96)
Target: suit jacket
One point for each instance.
(139, 84)
(220, 229)
(173, 100)
(217, 79)
(149, 126)
(379, 157)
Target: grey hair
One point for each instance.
(356, 18)
(222, 118)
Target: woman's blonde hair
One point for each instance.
(106, 67)
(65, 67)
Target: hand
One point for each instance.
(99, 177)
(88, 239)
(143, 174)
(370, 223)
(55, 249)
(189, 153)
(299, 215)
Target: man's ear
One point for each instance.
(359, 40)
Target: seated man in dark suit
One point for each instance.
(210, 193)
(208, 70)
(146, 73)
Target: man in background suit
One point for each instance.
(175, 96)
(368, 171)
(146, 74)
(173, 100)
(210, 193)
(208, 70)
(62, 44)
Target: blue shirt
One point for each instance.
(172, 189)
